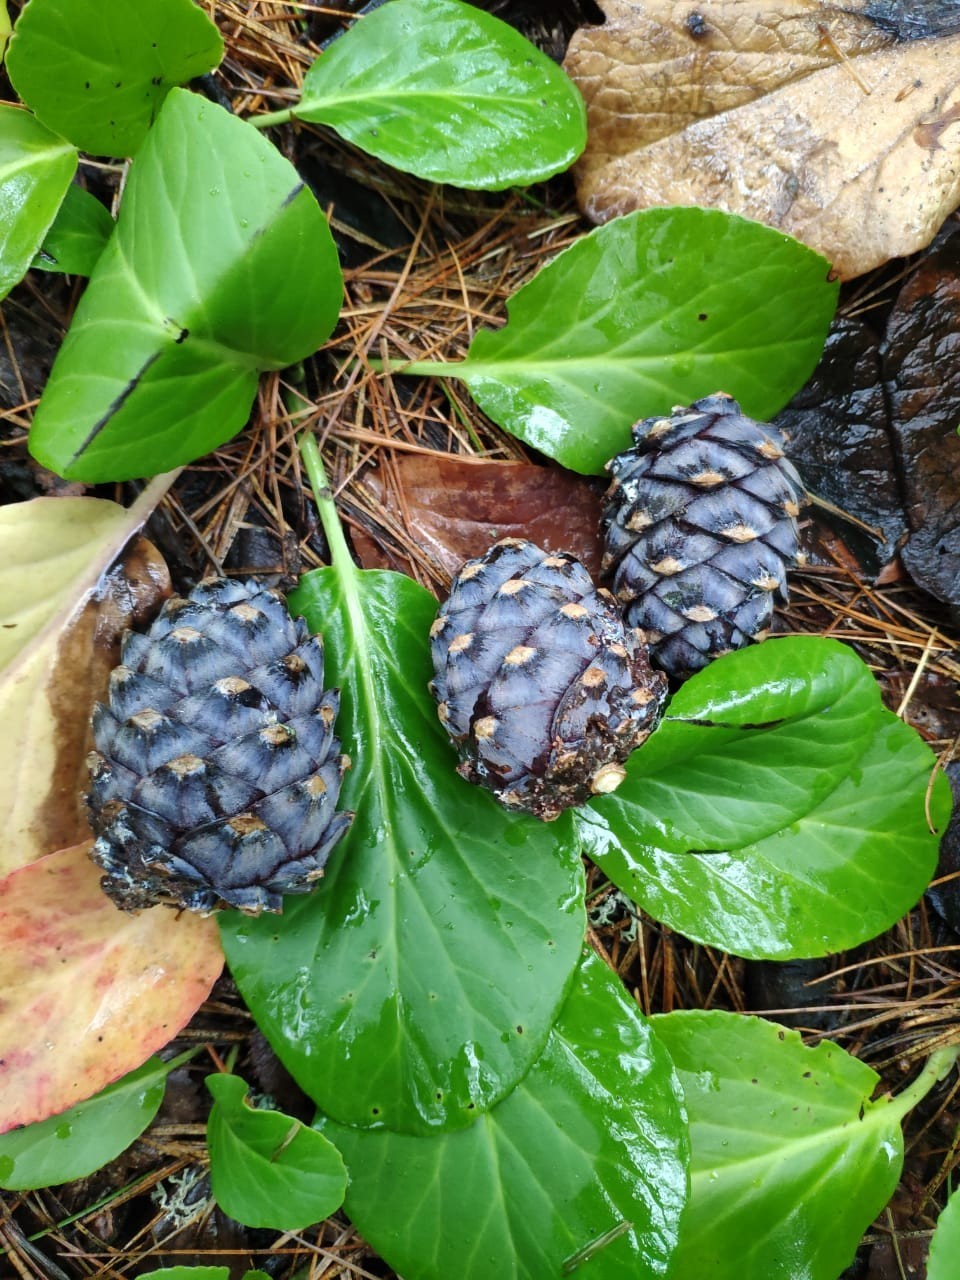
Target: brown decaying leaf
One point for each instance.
(455, 508)
(87, 992)
(808, 118)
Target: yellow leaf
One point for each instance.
(61, 616)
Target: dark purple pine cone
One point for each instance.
(217, 773)
(700, 527)
(541, 687)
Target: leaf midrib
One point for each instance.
(836, 1134)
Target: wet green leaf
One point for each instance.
(419, 981)
(580, 1171)
(78, 236)
(266, 1168)
(78, 1141)
(4, 29)
(653, 310)
(447, 92)
(825, 846)
(221, 265)
(97, 71)
(35, 171)
(791, 1161)
(945, 1245)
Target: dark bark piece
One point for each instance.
(839, 441)
(921, 368)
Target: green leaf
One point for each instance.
(98, 71)
(791, 1160)
(266, 1168)
(193, 1273)
(447, 92)
(750, 744)
(199, 1273)
(654, 309)
(840, 874)
(580, 1170)
(420, 980)
(85, 1137)
(4, 29)
(35, 171)
(945, 1245)
(221, 265)
(78, 236)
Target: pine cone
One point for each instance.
(700, 525)
(541, 687)
(216, 775)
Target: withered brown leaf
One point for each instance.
(455, 508)
(811, 118)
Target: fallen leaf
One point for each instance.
(923, 391)
(839, 438)
(87, 992)
(62, 613)
(819, 122)
(455, 508)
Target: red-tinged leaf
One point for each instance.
(87, 992)
(455, 508)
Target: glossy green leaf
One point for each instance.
(838, 875)
(749, 744)
(78, 236)
(653, 310)
(580, 1171)
(945, 1245)
(98, 71)
(4, 29)
(419, 981)
(266, 1168)
(35, 171)
(221, 265)
(791, 1161)
(86, 1137)
(447, 92)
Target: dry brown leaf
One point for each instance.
(87, 992)
(455, 508)
(808, 118)
(61, 617)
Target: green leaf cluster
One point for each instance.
(778, 810)
(221, 264)
(489, 1100)
(392, 991)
